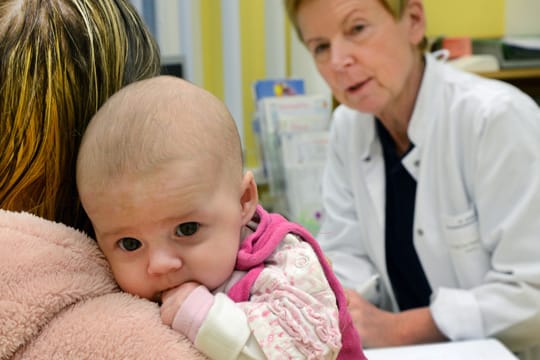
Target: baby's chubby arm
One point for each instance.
(188, 306)
(292, 311)
(173, 299)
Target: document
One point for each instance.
(294, 138)
(526, 42)
(303, 158)
(486, 349)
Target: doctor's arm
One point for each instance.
(380, 328)
(341, 232)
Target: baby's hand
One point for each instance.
(172, 299)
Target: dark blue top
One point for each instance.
(406, 274)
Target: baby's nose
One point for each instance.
(163, 261)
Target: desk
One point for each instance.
(487, 349)
(509, 74)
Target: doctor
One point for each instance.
(432, 186)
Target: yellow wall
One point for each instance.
(252, 56)
(475, 18)
(211, 45)
(253, 68)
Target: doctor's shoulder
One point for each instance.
(480, 101)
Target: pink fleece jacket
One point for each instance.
(58, 300)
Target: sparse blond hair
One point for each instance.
(153, 122)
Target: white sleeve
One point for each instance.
(225, 333)
(341, 232)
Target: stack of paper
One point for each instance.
(486, 349)
(294, 137)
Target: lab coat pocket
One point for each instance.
(470, 258)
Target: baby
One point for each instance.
(160, 175)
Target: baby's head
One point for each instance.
(159, 173)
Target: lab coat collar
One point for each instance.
(370, 145)
(428, 98)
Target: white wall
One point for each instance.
(522, 17)
(232, 61)
(190, 43)
(168, 27)
(274, 37)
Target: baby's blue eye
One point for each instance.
(129, 244)
(187, 228)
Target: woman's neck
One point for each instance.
(396, 117)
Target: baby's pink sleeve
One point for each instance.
(193, 312)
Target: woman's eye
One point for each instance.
(321, 52)
(129, 244)
(319, 49)
(358, 28)
(187, 228)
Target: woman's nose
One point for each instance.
(341, 55)
(163, 261)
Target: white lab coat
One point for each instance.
(476, 161)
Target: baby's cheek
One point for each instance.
(134, 285)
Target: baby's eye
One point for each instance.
(187, 228)
(129, 244)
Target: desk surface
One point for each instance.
(517, 73)
(488, 349)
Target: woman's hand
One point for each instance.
(172, 299)
(376, 327)
(379, 328)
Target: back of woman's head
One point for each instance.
(59, 61)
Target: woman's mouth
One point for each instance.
(356, 87)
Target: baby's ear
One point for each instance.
(249, 198)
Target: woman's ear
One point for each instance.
(249, 198)
(416, 17)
